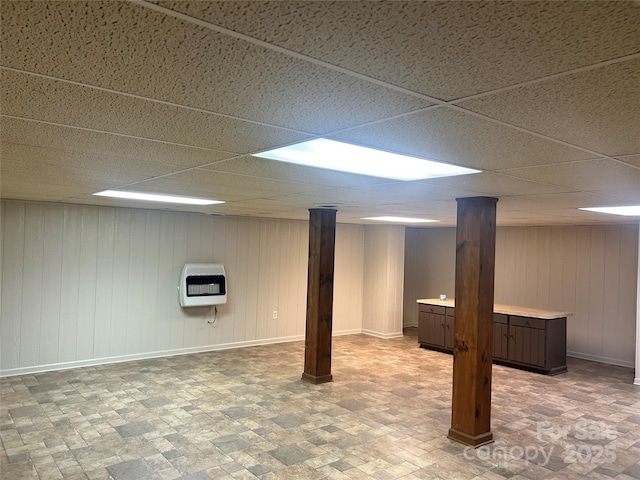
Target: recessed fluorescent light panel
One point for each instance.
(344, 157)
(399, 219)
(152, 197)
(629, 211)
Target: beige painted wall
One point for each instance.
(383, 280)
(84, 285)
(588, 270)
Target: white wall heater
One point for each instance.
(202, 284)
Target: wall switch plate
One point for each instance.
(275, 314)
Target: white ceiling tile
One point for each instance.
(455, 137)
(103, 144)
(488, 183)
(58, 102)
(623, 196)
(140, 98)
(630, 159)
(586, 175)
(596, 109)
(445, 49)
(261, 167)
(221, 186)
(129, 48)
(61, 162)
(572, 200)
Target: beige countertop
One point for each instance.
(504, 309)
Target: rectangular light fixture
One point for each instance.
(344, 157)
(399, 219)
(152, 197)
(629, 211)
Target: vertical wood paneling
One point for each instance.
(499, 269)
(12, 274)
(111, 277)
(271, 278)
(383, 272)
(282, 300)
(51, 277)
(71, 245)
(150, 287)
(629, 245)
(32, 284)
(104, 282)
(520, 277)
(510, 255)
(88, 257)
(583, 269)
(348, 277)
(556, 250)
(241, 271)
(231, 319)
(181, 316)
(168, 325)
(569, 280)
(122, 241)
(250, 294)
(531, 275)
(87, 288)
(396, 267)
(409, 307)
(135, 279)
(295, 323)
(222, 330)
(596, 289)
(262, 308)
(611, 321)
(544, 267)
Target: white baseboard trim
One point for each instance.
(382, 335)
(339, 333)
(595, 358)
(410, 325)
(636, 381)
(12, 372)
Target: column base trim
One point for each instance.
(471, 440)
(316, 380)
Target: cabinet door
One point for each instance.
(431, 325)
(448, 329)
(423, 327)
(500, 336)
(436, 329)
(526, 341)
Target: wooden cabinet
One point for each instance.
(431, 326)
(435, 327)
(536, 344)
(528, 343)
(500, 336)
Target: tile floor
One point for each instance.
(245, 413)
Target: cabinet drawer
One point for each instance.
(432, 309)
(527, 322)
(500, 318)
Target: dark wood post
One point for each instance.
(317, 345)
(473, 325)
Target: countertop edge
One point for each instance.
(504, 309)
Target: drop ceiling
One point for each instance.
(174, 97)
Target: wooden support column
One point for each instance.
(473, 325)
(317, 345)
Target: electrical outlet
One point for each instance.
(275, 314)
